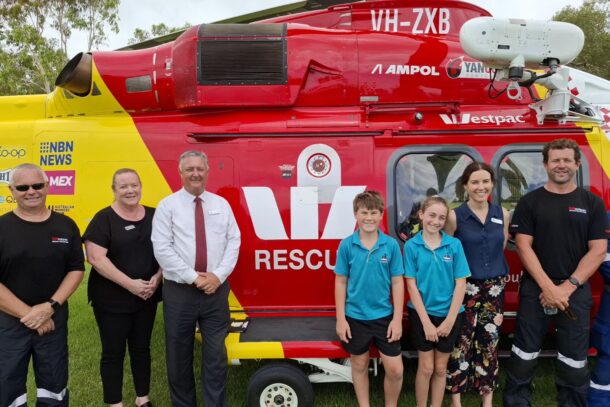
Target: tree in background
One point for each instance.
(156, 30)
(34, 36)
(29, 62)
(94, 16)
(593, 17)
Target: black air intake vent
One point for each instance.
(238, 54)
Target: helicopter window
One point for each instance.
(424, 174)
(520, 172)
(138, 84)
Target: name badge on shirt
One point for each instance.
(498, 221)
(129, 227)
(213, 212)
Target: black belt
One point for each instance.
(557, 281)
(483, 280)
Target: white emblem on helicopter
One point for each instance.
(318, 182)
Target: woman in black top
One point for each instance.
(124, 286)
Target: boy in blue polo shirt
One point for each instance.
(369, 268)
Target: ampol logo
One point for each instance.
(61, 182)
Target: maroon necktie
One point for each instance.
(201, 252)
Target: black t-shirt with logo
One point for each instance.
(562, 226)
(130, 250)
(36, 256)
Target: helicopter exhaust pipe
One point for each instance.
(76, 75)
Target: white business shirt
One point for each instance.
(173, 236)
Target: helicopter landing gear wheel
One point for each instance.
(279, 385)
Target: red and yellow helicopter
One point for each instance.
(298, 114)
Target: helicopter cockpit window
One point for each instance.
(520, 172)
(423, 174)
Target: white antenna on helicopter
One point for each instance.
(511, 45)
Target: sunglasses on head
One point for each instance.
(35, 187)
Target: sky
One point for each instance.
(174, 13)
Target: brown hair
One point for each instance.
(431, 200)
(369, 200)
(560, 144)
(476, 166)
(124, 171)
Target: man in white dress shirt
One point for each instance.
(195, 268)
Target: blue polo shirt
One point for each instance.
(369, 275)
(435, 271)
(483, 243)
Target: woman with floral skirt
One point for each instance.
(482, 228)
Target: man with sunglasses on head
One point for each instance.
(41, 265)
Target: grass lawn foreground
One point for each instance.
(86, 387)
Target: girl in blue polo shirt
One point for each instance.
(436, 271)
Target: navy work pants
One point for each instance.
(50, 359)
(599, 393)
(184, 306)
(572, 374)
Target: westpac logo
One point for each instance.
(311, 191)
(467, 118)
(268, 224)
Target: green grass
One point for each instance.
(86, 389)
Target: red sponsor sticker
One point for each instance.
(56, 239)
(61, 182)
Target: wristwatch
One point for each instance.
(575, 282)
(54, 304)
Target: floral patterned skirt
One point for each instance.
(473, 364)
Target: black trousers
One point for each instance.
(50, 356)
(184, 306)
(117, 331)
(572, 373)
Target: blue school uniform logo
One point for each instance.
(384, 259)
(447, 258)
